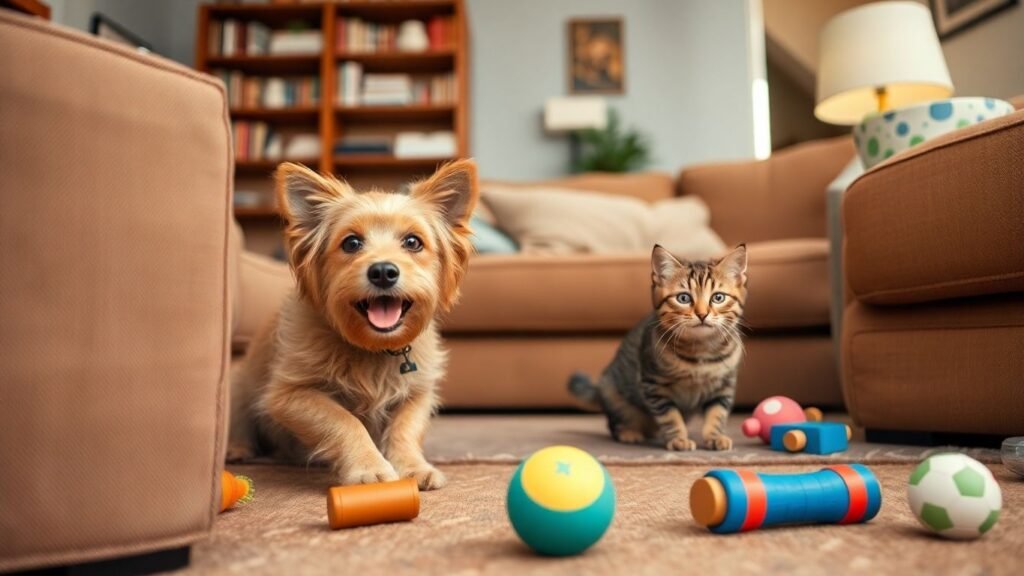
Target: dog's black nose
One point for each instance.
(383, 274)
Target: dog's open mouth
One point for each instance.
(384, 313)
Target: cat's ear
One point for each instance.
(664, 266)
(734, 265)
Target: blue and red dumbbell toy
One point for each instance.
(728, 501)
(810, 437)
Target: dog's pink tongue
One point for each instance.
(384, 312)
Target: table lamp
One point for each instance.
(571, 114)
(881, 69)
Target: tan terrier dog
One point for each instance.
(347, 371)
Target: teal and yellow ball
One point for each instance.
(561, 501)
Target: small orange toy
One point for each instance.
(235, 490)
(366, 504)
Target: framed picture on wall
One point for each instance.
(952, 16)
(102, 26)
(597, 61)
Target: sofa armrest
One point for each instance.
(944, 220)
(115, 172)
(775, 199)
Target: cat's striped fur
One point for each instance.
(680, 360)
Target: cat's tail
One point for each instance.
(583, 389)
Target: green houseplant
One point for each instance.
(611, 149)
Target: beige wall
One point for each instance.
(792, 112)
(794, 25)
(985, 59)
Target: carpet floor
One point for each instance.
(463, 529)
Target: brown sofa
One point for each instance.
(115, 172)
(526, 322)
(933, 338)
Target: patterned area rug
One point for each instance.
(463, 530)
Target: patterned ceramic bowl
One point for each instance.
(883, 134)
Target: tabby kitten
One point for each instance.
(681, 359)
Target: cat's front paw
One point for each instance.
(627, 436)
(680, 444)
(720, 442)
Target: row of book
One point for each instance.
(439, 144)
(373, 89)
(251, 140)
(269, 91)
(359, 36)
(232, 37)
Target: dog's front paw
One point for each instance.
(427, 477)
(238, 452)
(680, 444)
(720, 442)
(368, 473)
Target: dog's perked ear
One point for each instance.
(303, 197)
(453, 191)
(302, 193)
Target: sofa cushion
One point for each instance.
(560, 221)
(649, 186)
(943, 220)
(952, 366)
(525, 293)
(774, 199)
(263, 285)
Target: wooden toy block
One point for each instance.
(810, 437)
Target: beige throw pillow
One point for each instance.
(563, 221)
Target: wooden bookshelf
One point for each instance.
(329, 119)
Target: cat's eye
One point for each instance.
(412, 243)
(352, 244)
(684, 298)
(718, 298)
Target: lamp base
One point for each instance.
(883, 134)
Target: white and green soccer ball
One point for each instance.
(954, 496)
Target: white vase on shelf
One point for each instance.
(412, 36)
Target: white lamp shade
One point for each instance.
(887, 45)
(575, 113)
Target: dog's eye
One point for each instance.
(718, 297)
(352, 244)
(684, 298)
(412, 243)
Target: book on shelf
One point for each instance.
(386, 90)
(232, 37)
(250, 140)
(254, 141)
(350, 81)
(441, 32)
(364, 144)
(245, 91)
(439, 144)
(356, 88)
(295, 42)
(357, 36)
